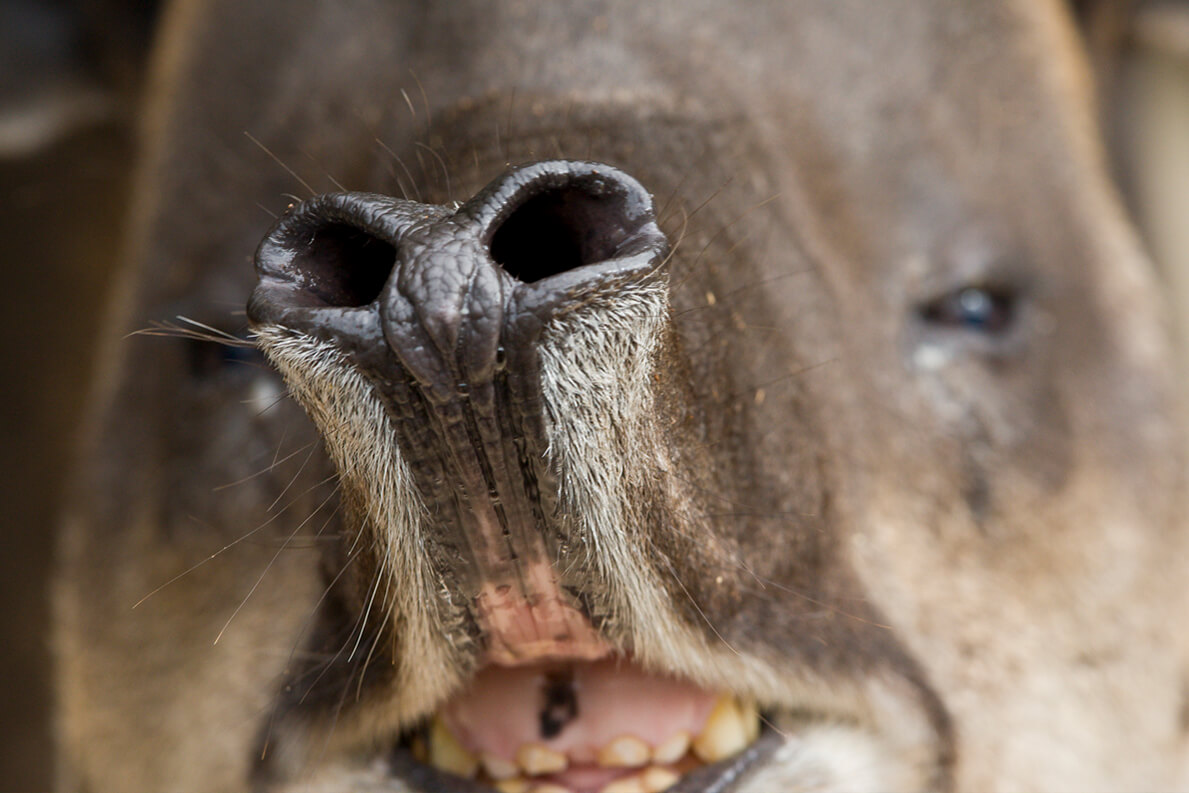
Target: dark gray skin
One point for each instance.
(942, 549)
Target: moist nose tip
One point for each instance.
(331, 253)
(342, 265)
(335, 247)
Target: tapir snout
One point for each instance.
(442, 312)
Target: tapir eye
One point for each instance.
(981, 309)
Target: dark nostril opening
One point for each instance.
(560, 229)
(344, 266)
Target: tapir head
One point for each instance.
(531, 487)
(796, 413)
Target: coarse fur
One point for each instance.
(376, 483)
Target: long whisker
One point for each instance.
(698, 608)
(194, 567)
(279, 162)
(270, 467)
(271, 562)
(305, 626)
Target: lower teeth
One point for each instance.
(447, 754)
(652, 780)
(731, 726)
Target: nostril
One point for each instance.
(564, 227)
(344, 266)
(333, 251)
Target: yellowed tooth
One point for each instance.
(724, 734)
(626, 751)
(547, 787)
(446, 753)
(672, 749)
(656, 779)
(517, 785)
(751, 720)
(497, 767)
(626, 784)
(536, 759)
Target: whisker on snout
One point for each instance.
(280, 162)
(271, 562)
(199, 332)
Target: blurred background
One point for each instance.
(71, 72)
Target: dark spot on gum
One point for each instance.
(560, 702)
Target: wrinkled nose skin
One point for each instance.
(442, 312)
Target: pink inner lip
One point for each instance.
(550, 679)
(506, 707)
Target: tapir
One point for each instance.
(626, 397)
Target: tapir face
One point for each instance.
(794, 412)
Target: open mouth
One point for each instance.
(603, 726)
